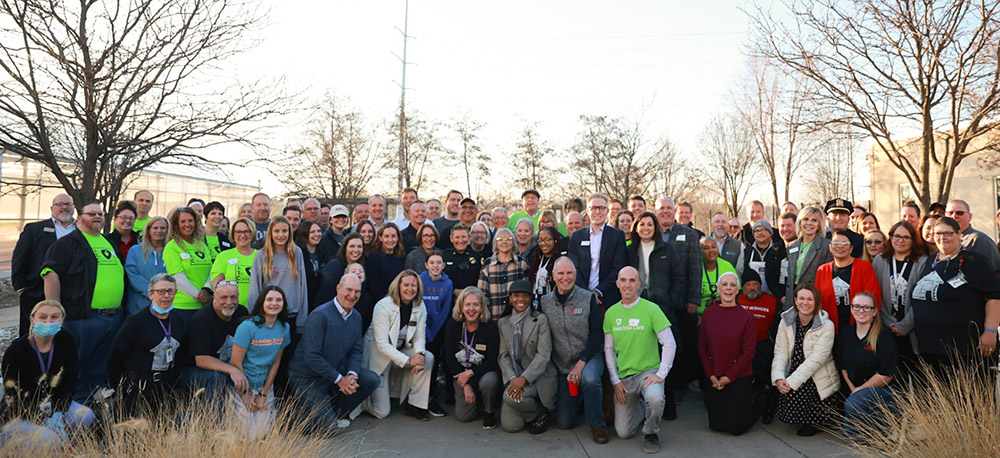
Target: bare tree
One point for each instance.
(474, 161)
(833, 176)
(775, 109)
(730, 165)
(97, 90)
(530, 160)
(421, 152)
(889, 66)
(340, 158)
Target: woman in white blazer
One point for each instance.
(803, 367)
(395, 349)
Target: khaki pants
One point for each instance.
(628, 415)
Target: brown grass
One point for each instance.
(192, 428)
(952, 416)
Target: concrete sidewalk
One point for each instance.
(399, 435)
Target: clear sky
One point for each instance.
(510, 62)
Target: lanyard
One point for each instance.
(762, 255)
(468, 344)
(166, 329)
(52, 353)
(713, 288)
(900, 271)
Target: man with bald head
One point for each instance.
(633, 328)
(326, 371)
(575, 325)
(26, 261)
(207, 345)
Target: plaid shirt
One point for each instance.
(496, 277)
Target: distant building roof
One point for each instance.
(211, 172)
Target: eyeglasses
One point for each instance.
(227, 283)
(62, 204)
(125, 219)
(598, 209)
(546, 240)
(862, 308)
(840, 243)
(902, 238)
(94, 214)
(505, 239)
(468, 207)
(243, 232)
(427, 236)
(955, 213)
(167, 291)
(944, 233)
(873, 242)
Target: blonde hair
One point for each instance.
(290, 249)
(820, 231)
(484, 309)
(174, 230)
(48, 303)
(876, 328)
(397, 295)
(147, 243)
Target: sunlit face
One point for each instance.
(427, 239)
(960, 213)
(279, 234)
(198, 208)
(628, 283)
(646, 228)
(409, 197)
(614, 209)
(47, 314)
(157, 231)
(574, 222)
(545, 221)
(625, 222)
(524, 233)
(467, 213)
(143, 202)
(755, 213)
(246, 211)
(909, 214)
(863, 309)
(376, 208)
(62, 208)
(125, 221)
(805, 302)
(261, 208)
(294, 217)
(786, 229)
(273, 303)
(185, 225)
(311, 210)
(486, 218)
(338, 222)
(434, 265)
(728, 288)
(520, 301)
(500, 219)
(408, 288)
(242, 235)
(636, 206)
(530, 202)
(315, 234)
(665, 212)
(874, 244)
(349, 291)
(471, 308)
(225, 300)
(809, 224)
(162, 293)
(683, 214)
(433, 209)
(762, 236)
(361, 213)
(928, 230)
(453, 203)
(789, 207)
(709, 251)
(355, 248)
(479, 235)
(902, 241)
(418, 213)
(547, 244)
(389, 239)
(367, 233)
(91, 219)
(947, 239)
(840, 246)
(869, 224)
(597, 208)
(720, 226)
(460, 239)
(214, 217)
(356, 269)
(564, 274)
(505, 243)
(839, 220)
(734, 227)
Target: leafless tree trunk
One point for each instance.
(97, 90)
(530, 160)
(730, 159)
(422, 150)
(898, 66)
(473, 158)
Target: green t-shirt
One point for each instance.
(634, 330)
(512, 224)
(196, 264)
(710, 281)
(140, 224)
(110, 285)
(803, 250)
(215, 246)
(234, 266)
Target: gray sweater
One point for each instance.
(296, 292)
(575, 327)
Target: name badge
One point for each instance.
(480, 347)
(226, 244)
(413, 323)
(48, 229)
(577, 311)
(233, 261)
(682, 238)
(958, 280)
(185, 256)
(585, 243)
(793, 250)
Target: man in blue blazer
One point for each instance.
(598, 252)
(26, 261)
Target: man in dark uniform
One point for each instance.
(838, 212)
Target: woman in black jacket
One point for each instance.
(662, 275)
(308, 237)
(471, 350)
(548, 248)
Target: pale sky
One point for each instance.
(512, 61)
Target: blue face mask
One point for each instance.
(161, 310)
(46, 329)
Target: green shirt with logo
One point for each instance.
(234, 266)
(140, 224)
(634, 330)
(215, 246)
(110, 285)
(195, 262)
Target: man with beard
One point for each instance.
(730, 249)
(26, 261)
(764, 256)
(764, 308)
(207, 345)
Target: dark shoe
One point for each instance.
(489, 420)
(767, 418)
(807, 430)
(670, 411)
(652, 444)
(416, 412)
(435, 410)
(679, 396)
(600, 434)
(541, 423)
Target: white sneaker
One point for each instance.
(343, 423)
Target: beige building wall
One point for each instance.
(974, 184)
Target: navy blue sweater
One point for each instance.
(330, 346)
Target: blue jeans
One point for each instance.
(591, 392)
(194, 377)
(862, 407)
(95, 335)
(325, 403)
(76, 419)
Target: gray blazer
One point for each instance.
(819, 254)
(536, 346)
(883, 271)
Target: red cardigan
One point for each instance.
(862, 279)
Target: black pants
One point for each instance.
(765, 394)
(731, 409)
(281, 388)
(27, 301)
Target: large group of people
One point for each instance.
(523, 317)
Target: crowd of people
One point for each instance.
(619, 309)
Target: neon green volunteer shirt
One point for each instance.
(196, 264)
(634, 330)
(234, 266)
(110, 285)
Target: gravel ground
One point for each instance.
(8, 298)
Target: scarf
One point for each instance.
(517, 322)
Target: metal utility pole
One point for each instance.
(401, 154)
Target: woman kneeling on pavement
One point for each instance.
(39, 382)
(471, 346)
(525, 352)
